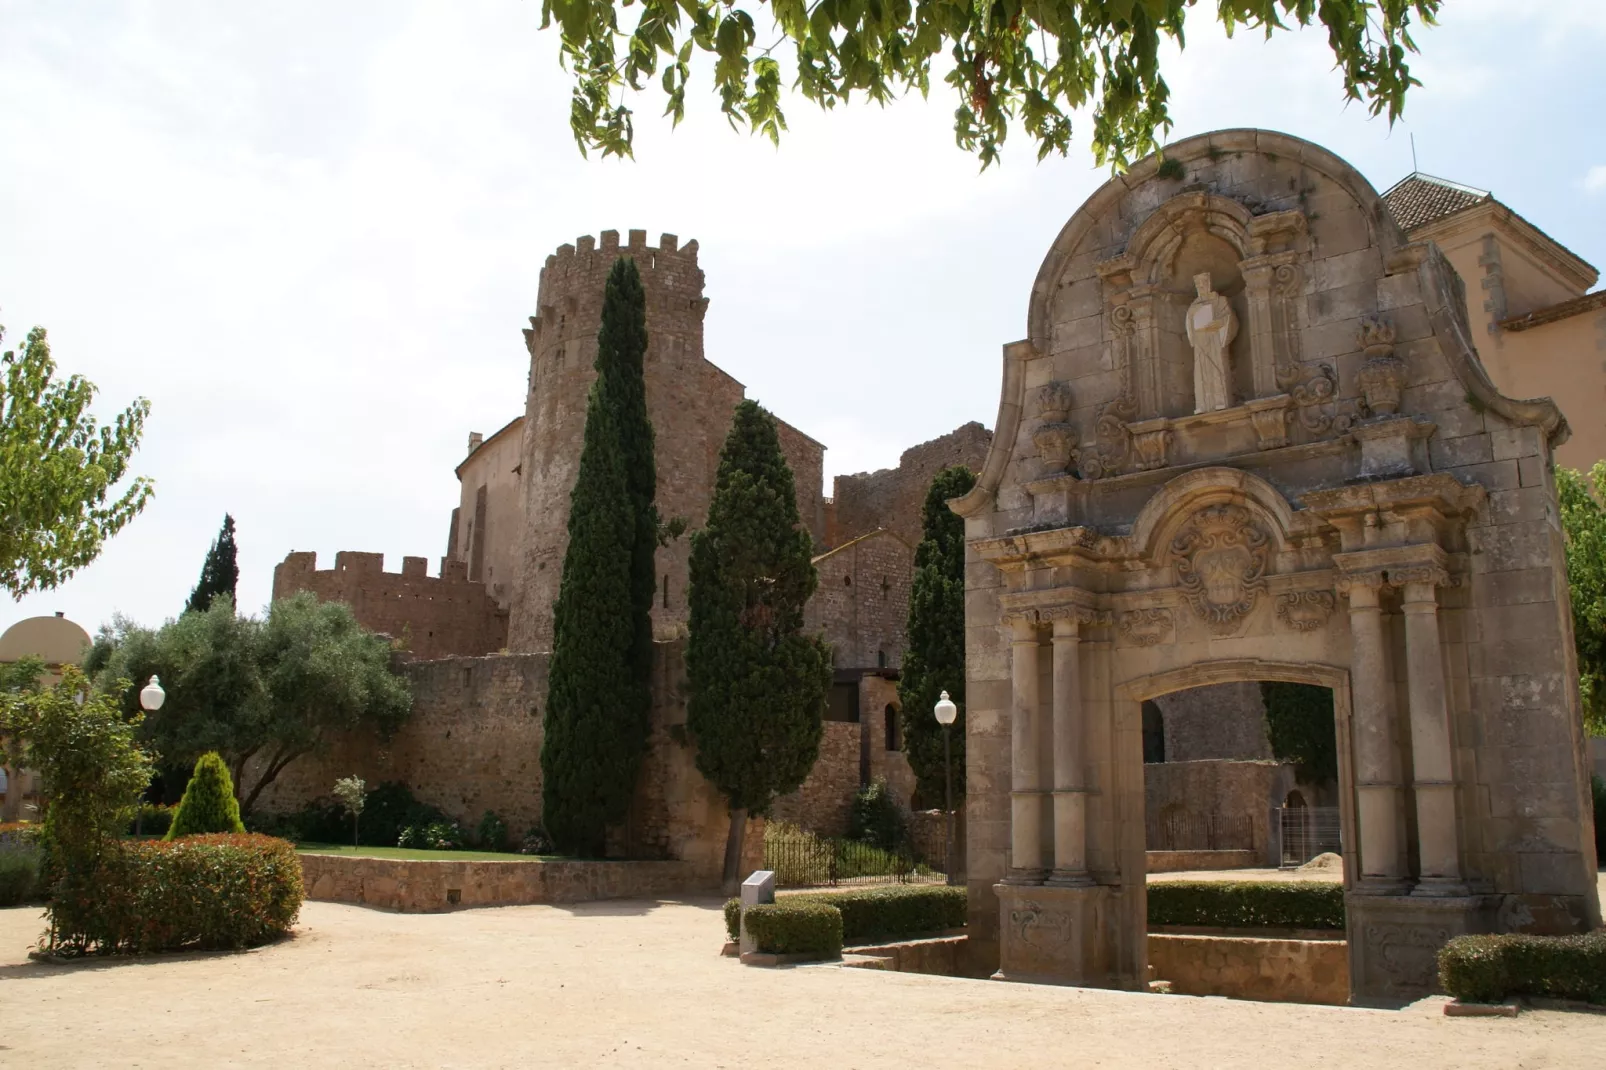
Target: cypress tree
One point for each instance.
(209, 804)
(219, 573)
(935, 660)
(757, 683)
(597, 690)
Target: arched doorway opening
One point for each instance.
(1223, 766)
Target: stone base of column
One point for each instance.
(1394, 941)
(1056, 935)
(1069, 878)
(1022, 878)
(1440, 888)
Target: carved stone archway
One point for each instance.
(1371, 515)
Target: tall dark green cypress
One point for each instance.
(935, 660)
(757, 683)
(220, 573)
(597, 689)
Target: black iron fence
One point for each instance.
(808, 861)
(1199, 832)
(1307, 831)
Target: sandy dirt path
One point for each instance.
(633, 984)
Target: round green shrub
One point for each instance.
(798, 925)
(492, 833)
(733, 918)
(876, 818)
(203, 891)
(20, 879)
(209, 804)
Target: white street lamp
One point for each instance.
(945, 711)
(151, 696)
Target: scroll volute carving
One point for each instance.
(1054, 436)
(1382, 377)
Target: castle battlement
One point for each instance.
(436, 616)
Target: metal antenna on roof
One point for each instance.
(1414, 167)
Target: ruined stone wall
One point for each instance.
(1217, 721)
(862, 601)
(434, 617)
(688, 399)
(893, 497)
(806, 458)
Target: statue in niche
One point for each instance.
(1211, 329)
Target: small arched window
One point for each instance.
(1295, 800)
(893, 729)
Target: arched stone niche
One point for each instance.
(1369, 514)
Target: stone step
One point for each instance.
(870, 962)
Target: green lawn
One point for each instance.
(419, 853)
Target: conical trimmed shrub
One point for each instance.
(209, 804)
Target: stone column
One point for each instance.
(1026, 794)
(1433, 771)
(1377, 758)
(1070, 776)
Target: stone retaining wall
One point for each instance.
(421, 886)
(1187, 861)
(1252, 967)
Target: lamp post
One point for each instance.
(945, 712)
(151, 697)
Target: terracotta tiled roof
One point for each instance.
(1417, 199)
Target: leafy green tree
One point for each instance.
(209, 804)
(262, 693)
(757, 683)
(57, 469)
(935, 660)
(352, 793)
(93, 771)
(1583, 522)
(1007, 63)
(598, 694)
(220, 574)
(1301, 729)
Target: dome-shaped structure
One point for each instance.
(54, 640)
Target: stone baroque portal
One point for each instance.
(1248, 438)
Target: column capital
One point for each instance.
(1423, 578)
(1022, 624)
(1361, 587)
(1067, 620)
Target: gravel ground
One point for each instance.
(628, 984)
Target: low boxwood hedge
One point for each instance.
(894, 912)
(1247, 904)
(211, 891)
(1487, 968)
(796, 925)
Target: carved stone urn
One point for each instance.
(1055, 437)
(1382, 377)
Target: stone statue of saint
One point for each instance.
(1211, 329)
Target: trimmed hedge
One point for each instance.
(797, 925)
(1486, 968)
(895, 912)
(1247, 904)
(207, 891)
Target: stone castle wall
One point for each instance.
(1225, 721)
(825, 801)
(689, 402)
(434, 617)
(892, 498)
(862, 601)
(487, 525)
(473, 744)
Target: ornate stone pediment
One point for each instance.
(1145, 627)
(1305, 611)
(1221, 556)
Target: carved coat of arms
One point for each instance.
(1221, 560)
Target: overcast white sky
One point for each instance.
(310, 233)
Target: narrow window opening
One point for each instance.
(666, 590)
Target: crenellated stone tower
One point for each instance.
(688, 399)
